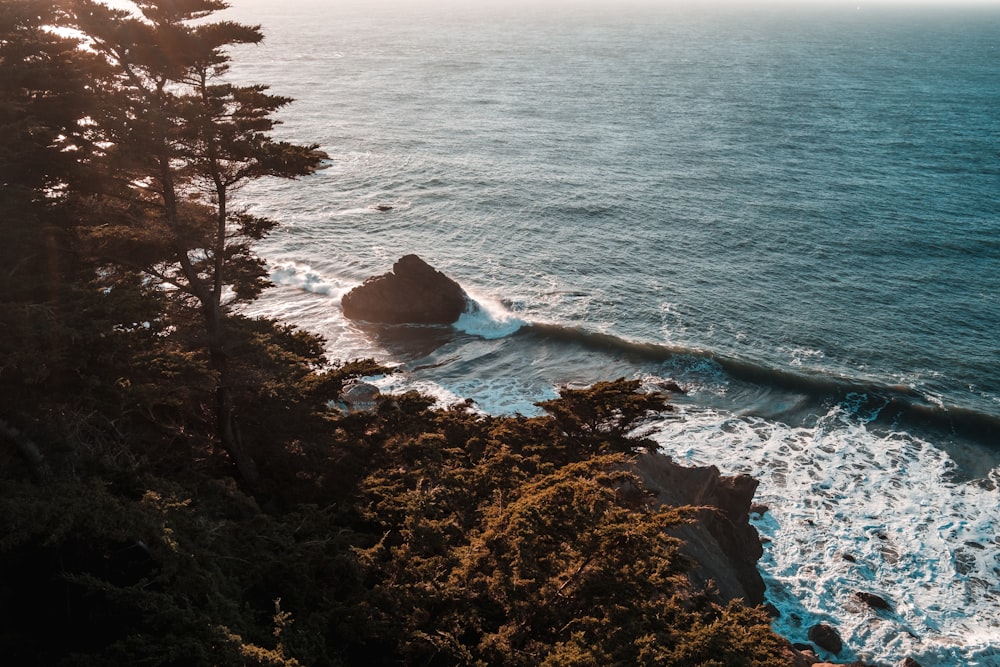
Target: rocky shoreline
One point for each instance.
(722, 544)
(725, 546)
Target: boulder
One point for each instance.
(722, 543)
(412, 293)
(873, 601)
(360, 396)
(826, 637)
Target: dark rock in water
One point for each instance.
(382, 207)
(670, 385)
(873, 601)
(826, 637)
(412, 293)
(722, 544)
(849, 558)
(758, 509)
(360, 396)
(910, 662)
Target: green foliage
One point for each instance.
(462, 539)
(44, 81)
(496, 544)
(600, 417)
(178, 142)
(175, 143)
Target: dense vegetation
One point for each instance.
(175, 490)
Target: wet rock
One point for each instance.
(889, 551)
(873, 601)
(360, 396)
(910, 662)
(412, 293)
(849, 558)
(722, 543)
(826, 637)
(671, 386)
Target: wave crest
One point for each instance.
(487, 318)
(306, 278)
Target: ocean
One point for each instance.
(792, 213)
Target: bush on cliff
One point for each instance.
(465, 539)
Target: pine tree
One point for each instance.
(178, 142)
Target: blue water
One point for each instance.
(793, 214)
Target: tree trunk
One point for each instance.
(225, 407)
(229, 435)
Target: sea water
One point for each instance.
(793, 214)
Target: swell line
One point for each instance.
(882, 404)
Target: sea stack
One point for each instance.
(413, 292)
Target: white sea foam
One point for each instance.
(353, 211)
(852, 511)
(487, 318)
(496, 396)
(399, 383)
(306, 278)
(802, 356)
(697, 374)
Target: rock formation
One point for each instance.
(826, 637)
(412, 293)
(874, 601)
(359, 396)
(722, 543)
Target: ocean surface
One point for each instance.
(794, 214)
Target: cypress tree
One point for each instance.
(178, 141)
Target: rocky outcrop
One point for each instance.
(723, 545)
(412, 293)
(360, 396)
(874, 601)
(826, 637)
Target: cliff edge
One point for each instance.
(723, 545)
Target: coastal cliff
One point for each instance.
(721, 543)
